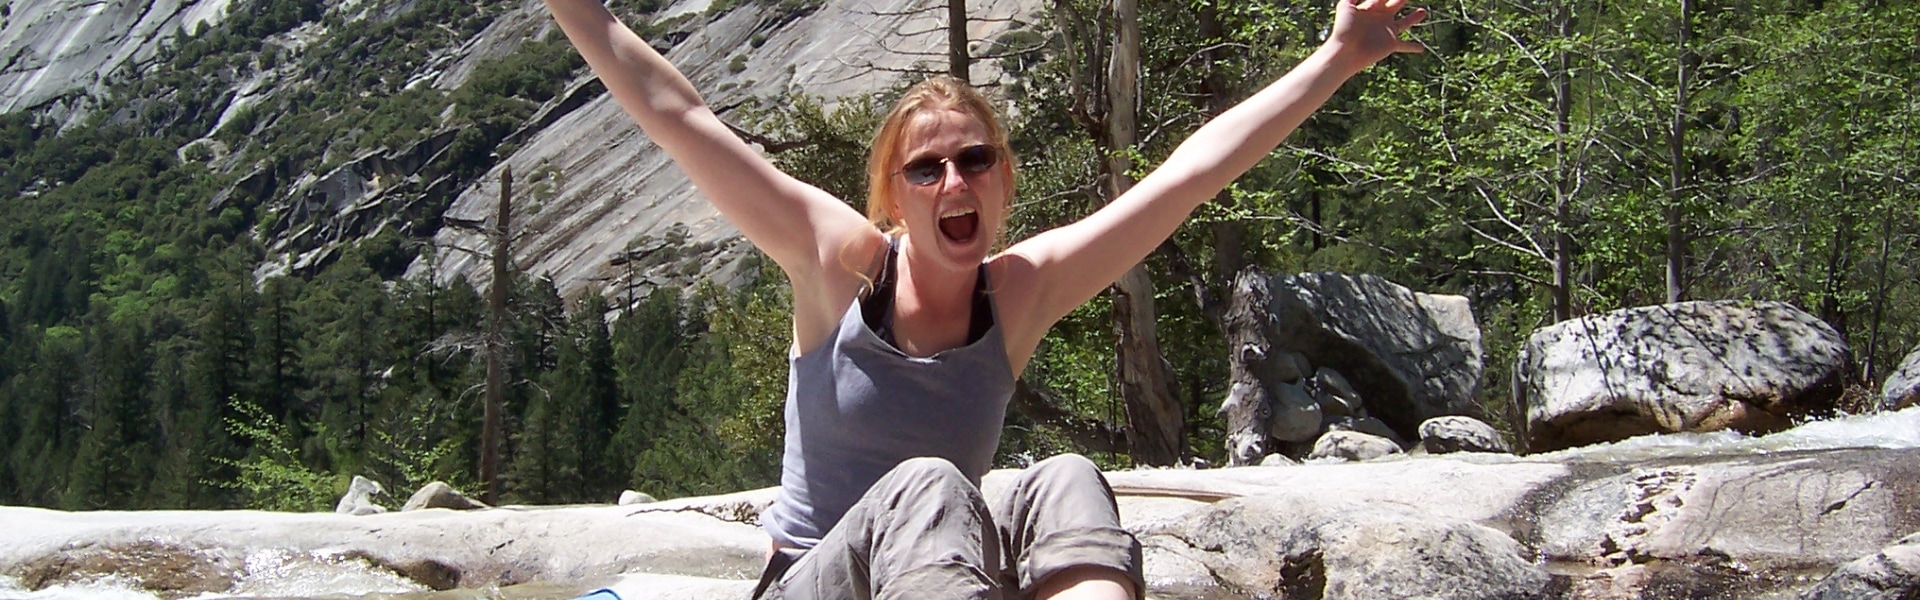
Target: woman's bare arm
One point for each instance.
(801, 227)
(1070, 264)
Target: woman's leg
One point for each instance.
(922, 531)
(1061, 533)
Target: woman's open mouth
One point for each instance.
(960, 225)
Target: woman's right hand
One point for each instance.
(1368, 31)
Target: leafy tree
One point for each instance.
(272, 476)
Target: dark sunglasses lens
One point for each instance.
(924, 171)
(975, 159)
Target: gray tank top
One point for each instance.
(857, 406)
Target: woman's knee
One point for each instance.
(928, 478)
(1065, 467)
(928, 469)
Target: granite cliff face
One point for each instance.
(53, 54)
(599, 205)
(611, 187)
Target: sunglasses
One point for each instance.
(931, 169)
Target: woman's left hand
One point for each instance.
(1368, 31)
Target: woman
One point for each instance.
(908, 333)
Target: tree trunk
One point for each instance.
(1678, 170)
(1563, 182)
(1229, 235)
(1879, 298)
(490, 432)
(1155, 423)
(957, 59)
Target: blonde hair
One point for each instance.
(940, 92)
(884, 154)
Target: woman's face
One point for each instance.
(952, 187)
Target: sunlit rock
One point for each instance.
(1718, 515)
(440, 495)
(1893, 573)
(359, 498)
(1441, 435)
(1372, 348)
(1691, 366)
(1902, 388)
(1352, 445)
(53, 52)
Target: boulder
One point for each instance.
(440, 495)
(1373, 348)
(1336, 396)
(1368, 425)
(359, 498)
(632, 497)
(1277, 460)
(1441, 435)
(1685, 367)
(1890, 574)
(1317, 546)
(1352, 445)
(1902, 388)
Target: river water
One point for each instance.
(285, 575)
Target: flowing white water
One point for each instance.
(270, 574)
(1900, 429)
(287, 574)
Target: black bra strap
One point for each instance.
(878, 305)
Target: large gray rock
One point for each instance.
(1365, 347)
(1748, 518)
(359, 498)
(1352, 445)
(1441, 435)
(440, 495)
(1691, 366)
(1314, 546)
(566, 551)
(1890, 574)
(1902, 388)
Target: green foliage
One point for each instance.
(272, 477)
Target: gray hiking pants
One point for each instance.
(923, 531)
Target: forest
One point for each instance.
(1547, 160)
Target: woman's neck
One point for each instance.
(932, 305)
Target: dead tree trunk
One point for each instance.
(1678, 174)
(958, 60)
(1564, 179)
(490, 428)
(1155, 424)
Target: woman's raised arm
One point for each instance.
(794, 223)
(1074, 262)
